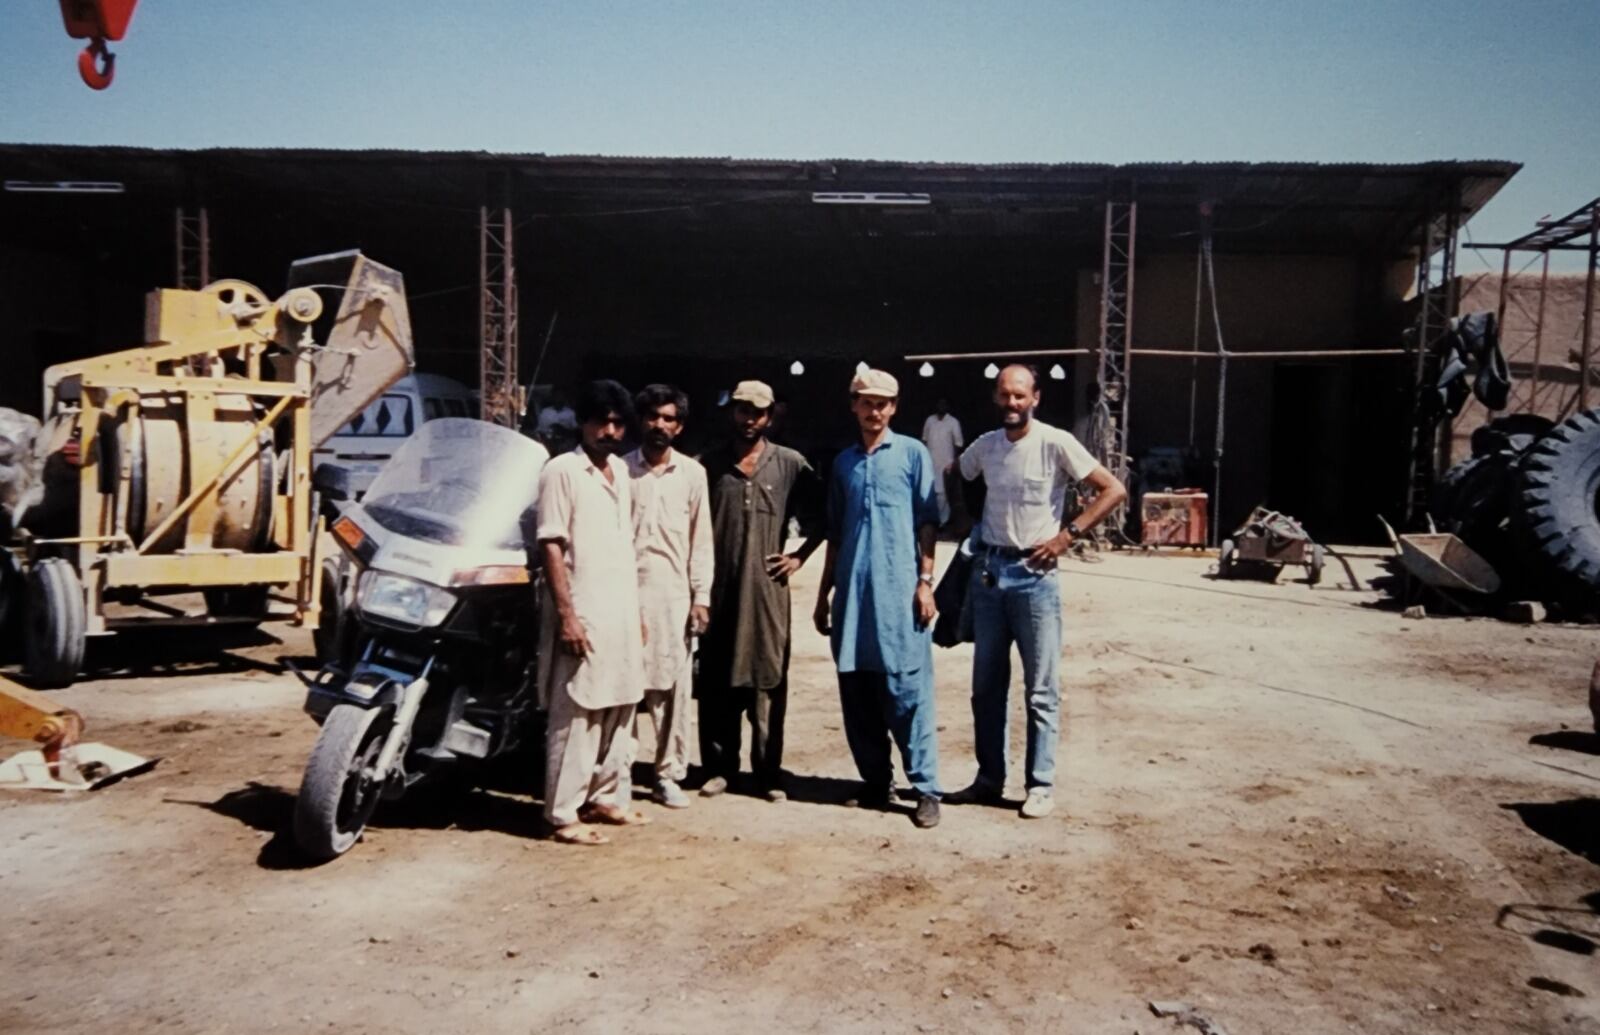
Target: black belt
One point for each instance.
(1009, 552)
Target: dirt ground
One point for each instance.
(1287, 807)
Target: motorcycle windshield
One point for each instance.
(459, 482)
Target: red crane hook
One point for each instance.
(97, 65)
(97, 21)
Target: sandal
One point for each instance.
(612, 815)
(579, 834)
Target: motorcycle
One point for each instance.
(437, 663)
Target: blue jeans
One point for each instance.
(879, 705)
(1015, 604)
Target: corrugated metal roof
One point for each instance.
(1259, 205)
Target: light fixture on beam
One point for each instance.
(869, 198)
(797, 368)
(1058, 373)
(991, 371)
(63, 187)
(926, 370)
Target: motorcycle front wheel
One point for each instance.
(338, 794)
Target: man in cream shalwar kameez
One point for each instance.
(672, 536)
(591, 661)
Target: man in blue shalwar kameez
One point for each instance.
(882, 516)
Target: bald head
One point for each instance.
(1015, 373)
(1016, 393)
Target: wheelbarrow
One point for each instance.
(1264, 544)
(1442, 567)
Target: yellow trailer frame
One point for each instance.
(210, 349)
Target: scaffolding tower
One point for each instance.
(1559, 235)
(1116, 330)
(500, 401)
(1438, 295)
(192, 247)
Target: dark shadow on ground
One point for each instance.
(177, 652)
(263, 807)
(1569, 740)
(1574, 929)
(822, 790)
(456, 801)
(1573, 824)
(141, 653)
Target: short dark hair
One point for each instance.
(598, 398)
(653, 397)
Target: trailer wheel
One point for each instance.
(1225, 559)
(1314, 566)
(13, 590)
(55, 623)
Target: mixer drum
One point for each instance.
(156, 459)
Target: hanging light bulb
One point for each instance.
(1057, 373)
(862, 368)
(926, 370)
(797, 368)
(991, 371)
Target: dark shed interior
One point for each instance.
(706, 271)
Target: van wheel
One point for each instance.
(329, 636)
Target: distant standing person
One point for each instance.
(1083, 424)
(881, 523)
(1014, 595)
(941, 433)
(672, 536)
(756, 486)
(556, 425)
(591, 643)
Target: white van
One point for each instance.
(363, 445)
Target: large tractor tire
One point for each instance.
(56, 622)
(1475, 500)
(1513, 433)
(1560, 508)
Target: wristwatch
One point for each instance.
(1074, 531)
(925, 578)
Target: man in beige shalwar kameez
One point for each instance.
(591, 658)
(672, 535)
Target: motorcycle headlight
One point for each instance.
(400, 599)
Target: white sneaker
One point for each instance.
(668, 793)
(1039, 804)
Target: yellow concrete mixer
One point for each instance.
(184, 466)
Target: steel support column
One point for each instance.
(497, 317)
(1437, 293)
(1584, 354)
(1116, 330)
(191, 247)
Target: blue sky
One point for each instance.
(1140, 80)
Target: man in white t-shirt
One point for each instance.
(941, 433)
(1014, 595)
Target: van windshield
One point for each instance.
(388, 416)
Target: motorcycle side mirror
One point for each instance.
(333, 482)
